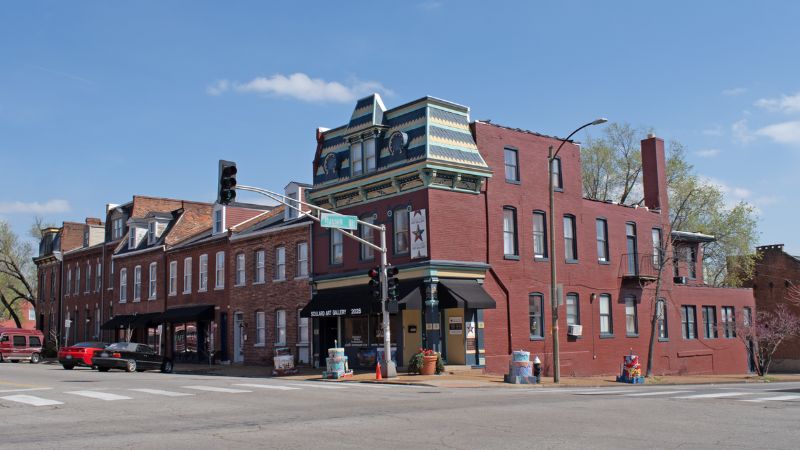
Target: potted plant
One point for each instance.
(426, 362)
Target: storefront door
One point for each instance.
(238, 337)
(328, 336)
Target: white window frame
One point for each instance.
(123, 285)
(631, 311)
(137, 283)
(280, 327)
(261, 329)
(540, 235)
(88, 283)
(98, 277)
(510, 247)
(151, 232)
(173, 277)
(131, 238)
(401, 217)
(302, 329)
(219, 270)
(356, 159)
(202, 276)
(607, 327)
(370, 158)
(260, 275)
(77, 288)
(219, 220)
(336, 247)
(152, 281)
(302, 260)
(280, 264)
(187, 275)
(118, 228)
(240, 266)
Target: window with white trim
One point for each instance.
(123, 285)
(606, 323)
(280, 327)
(400, 229)
(240, 269)
(573, 309)
(536, 315)
(337, 246)
(356, 159)
(631, 316)
(302, 260)
(280, 263)
(261, 328)
(539, 235)
(302, 328)
(219, 274)
(77, 288)
(173, 277)
(187, 275)
(369, 155)
(88, 287)
(118, 228)
(137, 283)
(132, 238)
(98, 277)
(259, 275)
(510, 231)
(152, 290)
(202, 282)
(218, 222)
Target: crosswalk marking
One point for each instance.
(717, 395)
(781, 398)
(31, 400)
(647, 394)
(320, 385)
(99, 395)
(161, 392)
(267, 386)
(601, 392)
(3, 391)
(216, 389)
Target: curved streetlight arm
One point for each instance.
(564, 141)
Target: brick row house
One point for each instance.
(465, 207)
(775, 279)
(167, 272)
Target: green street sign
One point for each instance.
(338, 221)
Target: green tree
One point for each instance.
(17, 273)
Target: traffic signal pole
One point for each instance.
(388, 368)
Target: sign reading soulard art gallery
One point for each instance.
(419, 234)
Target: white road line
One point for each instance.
(31, 400)
(601, 392)
(717, 395)
(781, 398)
(99, 395)
(3, 391)
(320, 385)
(216, 389)
(647, 394)
(160, 392)
(267, 386)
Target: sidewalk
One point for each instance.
(472, 379)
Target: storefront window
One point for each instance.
(376, 328)
(355, 331)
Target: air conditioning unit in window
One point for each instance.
(575, 330)
(679, 280)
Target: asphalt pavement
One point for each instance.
(44, 406)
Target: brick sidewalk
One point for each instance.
(472, 379)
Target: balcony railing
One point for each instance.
(639, 267)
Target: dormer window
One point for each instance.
(369, 155)
(356, 159)
(151, 232)
(118, 228)
(219, 222)
(132, 238)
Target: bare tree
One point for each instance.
(17, 272)
(767, 332)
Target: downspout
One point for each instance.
(494, 274)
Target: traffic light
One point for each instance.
(375, 283)
(227, 182)
(394, 283)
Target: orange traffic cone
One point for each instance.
(378, 375)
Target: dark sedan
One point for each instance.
(130, 356)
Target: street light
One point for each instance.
(553, 300)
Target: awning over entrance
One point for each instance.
(468, 293)
(346, 301)
(189, 314)
(132, 321)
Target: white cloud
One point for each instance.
(302, 87)
(784, 132)
(734, 91)
(786, 103)
(48, 207)
(735, 194)
(708, 153)
(741, 132)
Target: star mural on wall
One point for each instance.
(418, 233)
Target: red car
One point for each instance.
(79, 354)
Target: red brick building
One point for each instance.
(776, 272)
(465, 207)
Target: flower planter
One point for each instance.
(428, 365)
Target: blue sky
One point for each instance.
(103, 100)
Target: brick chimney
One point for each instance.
(93, 221)
(654, 173)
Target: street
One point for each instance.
(44, 406)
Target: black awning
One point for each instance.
(116, 322)
(346, 301)
(412, 299)
(469, 292)
(145, 320)
(189, 314)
